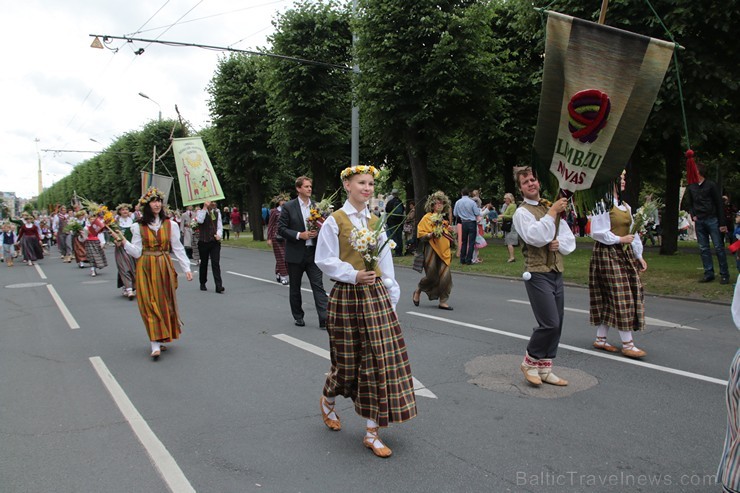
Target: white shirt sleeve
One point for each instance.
(736, 306)
(177, 247)
(534, 232)
(200, 216)
(566, 240)
(327, 254)
(133, 247)
(601, 232)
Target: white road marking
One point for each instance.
(599, 354)
(266, 280)
(419, 388)
(160, 457)
(41, 272)
(63, 308)
(648, 320)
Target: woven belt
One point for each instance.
(152, 253)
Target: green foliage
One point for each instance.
(114, 176)
(310, 105)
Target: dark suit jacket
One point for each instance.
(289, 225)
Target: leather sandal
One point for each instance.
(369, 441)
(155, 354)
(332, 424)
(629, 350)
(531, 375)
(600, 343)
(549, 377)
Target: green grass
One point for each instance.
(674, 275)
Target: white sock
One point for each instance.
(625, 335)
(602, 330)
(330, 401)
(155, 346)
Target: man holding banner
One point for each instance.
(545, 243)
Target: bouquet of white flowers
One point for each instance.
(366, 242)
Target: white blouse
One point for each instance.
(601, 230)
(327, 253)
(134, 247)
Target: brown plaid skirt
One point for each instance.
(95, 254)
(369, 363)
(615, 289)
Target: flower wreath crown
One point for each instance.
(359, 170)
(151, 194)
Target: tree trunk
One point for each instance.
(673, 168)
(254, 199)
(418, 162)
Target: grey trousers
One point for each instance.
(545, 292)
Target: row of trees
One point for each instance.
(448, 94)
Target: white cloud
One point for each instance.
(59, 90)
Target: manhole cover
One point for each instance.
(501, 373)
(26, 285)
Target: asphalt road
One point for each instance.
(233, 405)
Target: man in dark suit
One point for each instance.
(300, 247)
(209, 244)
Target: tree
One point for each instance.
(240, 136)
(310, 105)
(427, 79)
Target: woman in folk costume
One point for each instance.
(369, 363)
(125, 263)
(78, 240)
(29, 236)
(434, 230)
(152, 239)
(276, 241)
(94, 243)
(614, 285)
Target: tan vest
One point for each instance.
(540, 259)
(620, 221)
(346, 252)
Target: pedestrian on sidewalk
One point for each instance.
(369, 363)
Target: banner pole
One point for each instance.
(602, 15)
(154, 157)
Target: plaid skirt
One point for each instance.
(126, 266)
(95, 254)
(437, 281)
(369, 363)
(615, 290)
(278, 249)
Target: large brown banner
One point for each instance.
(599, 85)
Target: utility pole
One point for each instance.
(355, 144)
(38, 155)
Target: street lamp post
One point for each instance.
(153, 101)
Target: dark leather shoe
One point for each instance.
(299, 322)
(221, 289)
(445, 308)
(203, 287)
(706, 279)
(724, 280)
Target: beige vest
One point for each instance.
(620, 221)
(346, 252)
(540, 259)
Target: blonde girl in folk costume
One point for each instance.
(152, 239)
(125, 263)
(9, 240)
(614, 285)
(369, 363)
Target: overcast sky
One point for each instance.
(59, 90)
